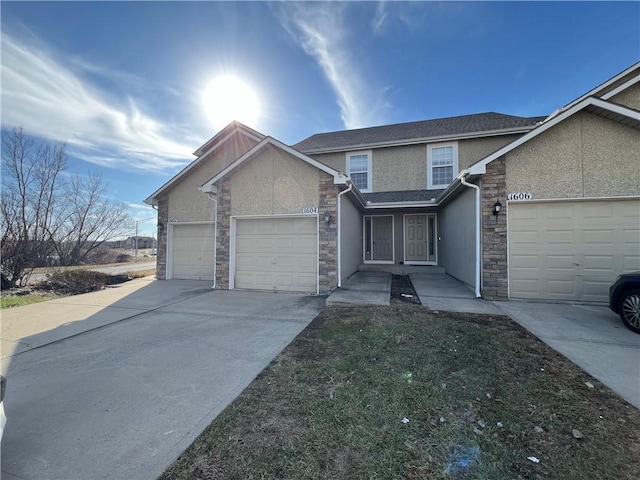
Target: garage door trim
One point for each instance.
(169, 251)
(232, 246)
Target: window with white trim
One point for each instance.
(359, 169)
(442, 164)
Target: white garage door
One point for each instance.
(571, 250)
(277, 254)
(192, 251)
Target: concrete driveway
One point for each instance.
(117, 384)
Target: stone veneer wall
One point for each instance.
(161, 258)
(327, 258)
(494, 232)
(223, 245)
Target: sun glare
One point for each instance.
(227, 98)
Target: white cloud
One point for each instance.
(380, 17)
(319, 28)
(51, 100)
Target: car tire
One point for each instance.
(630, 309)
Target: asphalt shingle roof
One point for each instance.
(465, 124)
(402, 196)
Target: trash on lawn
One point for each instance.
(442, 419)
(500, 424)
(482, 423)
(460, 458)
(533, 459)
(589, 384)
(577, 433)
(538, 429)
(406, 295)
(408, 376)
(405, 420)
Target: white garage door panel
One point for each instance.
(277, 254)
(571, 250)
(192, 252)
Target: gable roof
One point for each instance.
(464, 126)
(209, 186)
(208, 147)
(606, 90)
(612, 111)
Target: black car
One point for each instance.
(624, 299)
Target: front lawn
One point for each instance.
(401, 392)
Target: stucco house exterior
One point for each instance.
(535, 208)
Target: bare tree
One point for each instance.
(90, 219)
(42, 215)
(30, 190)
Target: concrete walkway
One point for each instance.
(363, 288)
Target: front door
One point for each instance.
(419, 239)
(378, 235)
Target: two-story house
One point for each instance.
(543, 207)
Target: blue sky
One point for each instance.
(122, 82)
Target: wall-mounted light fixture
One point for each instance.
(496, 208)
(160, 225)
(327, 218)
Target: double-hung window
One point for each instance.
(442, 164)
(359, 169)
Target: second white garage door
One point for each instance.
(192, 251)
(571, 250)
(277, 254)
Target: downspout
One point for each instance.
(339, 239)
(478, 228)
(215, 239)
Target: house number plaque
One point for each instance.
(519, 196)
(310, 210)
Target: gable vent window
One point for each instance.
(359, 169)
(442, 165)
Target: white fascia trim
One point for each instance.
(416, 141)
(621, 88)
(152, 200)
(338, 178)
(373, 206)
(236, 126)
(479, 168)
(594, 92)
(226, 137)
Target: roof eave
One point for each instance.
(416, 141)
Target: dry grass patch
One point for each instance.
(403, 392)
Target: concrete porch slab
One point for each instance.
(363, 288)
(439, 291)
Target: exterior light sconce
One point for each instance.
(327, 219)
(496, 208)
(160, 226)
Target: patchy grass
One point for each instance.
(9, 301)
(66, 282)
(473, 388)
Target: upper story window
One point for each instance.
(359, 169)
(442, 164)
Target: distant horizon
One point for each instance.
(125, 83)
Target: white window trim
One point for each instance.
(369, 169)
(430, 184)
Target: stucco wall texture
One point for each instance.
(405, 167)
(186, 202)
(629, 97)
(273, 182)
(581, 157)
